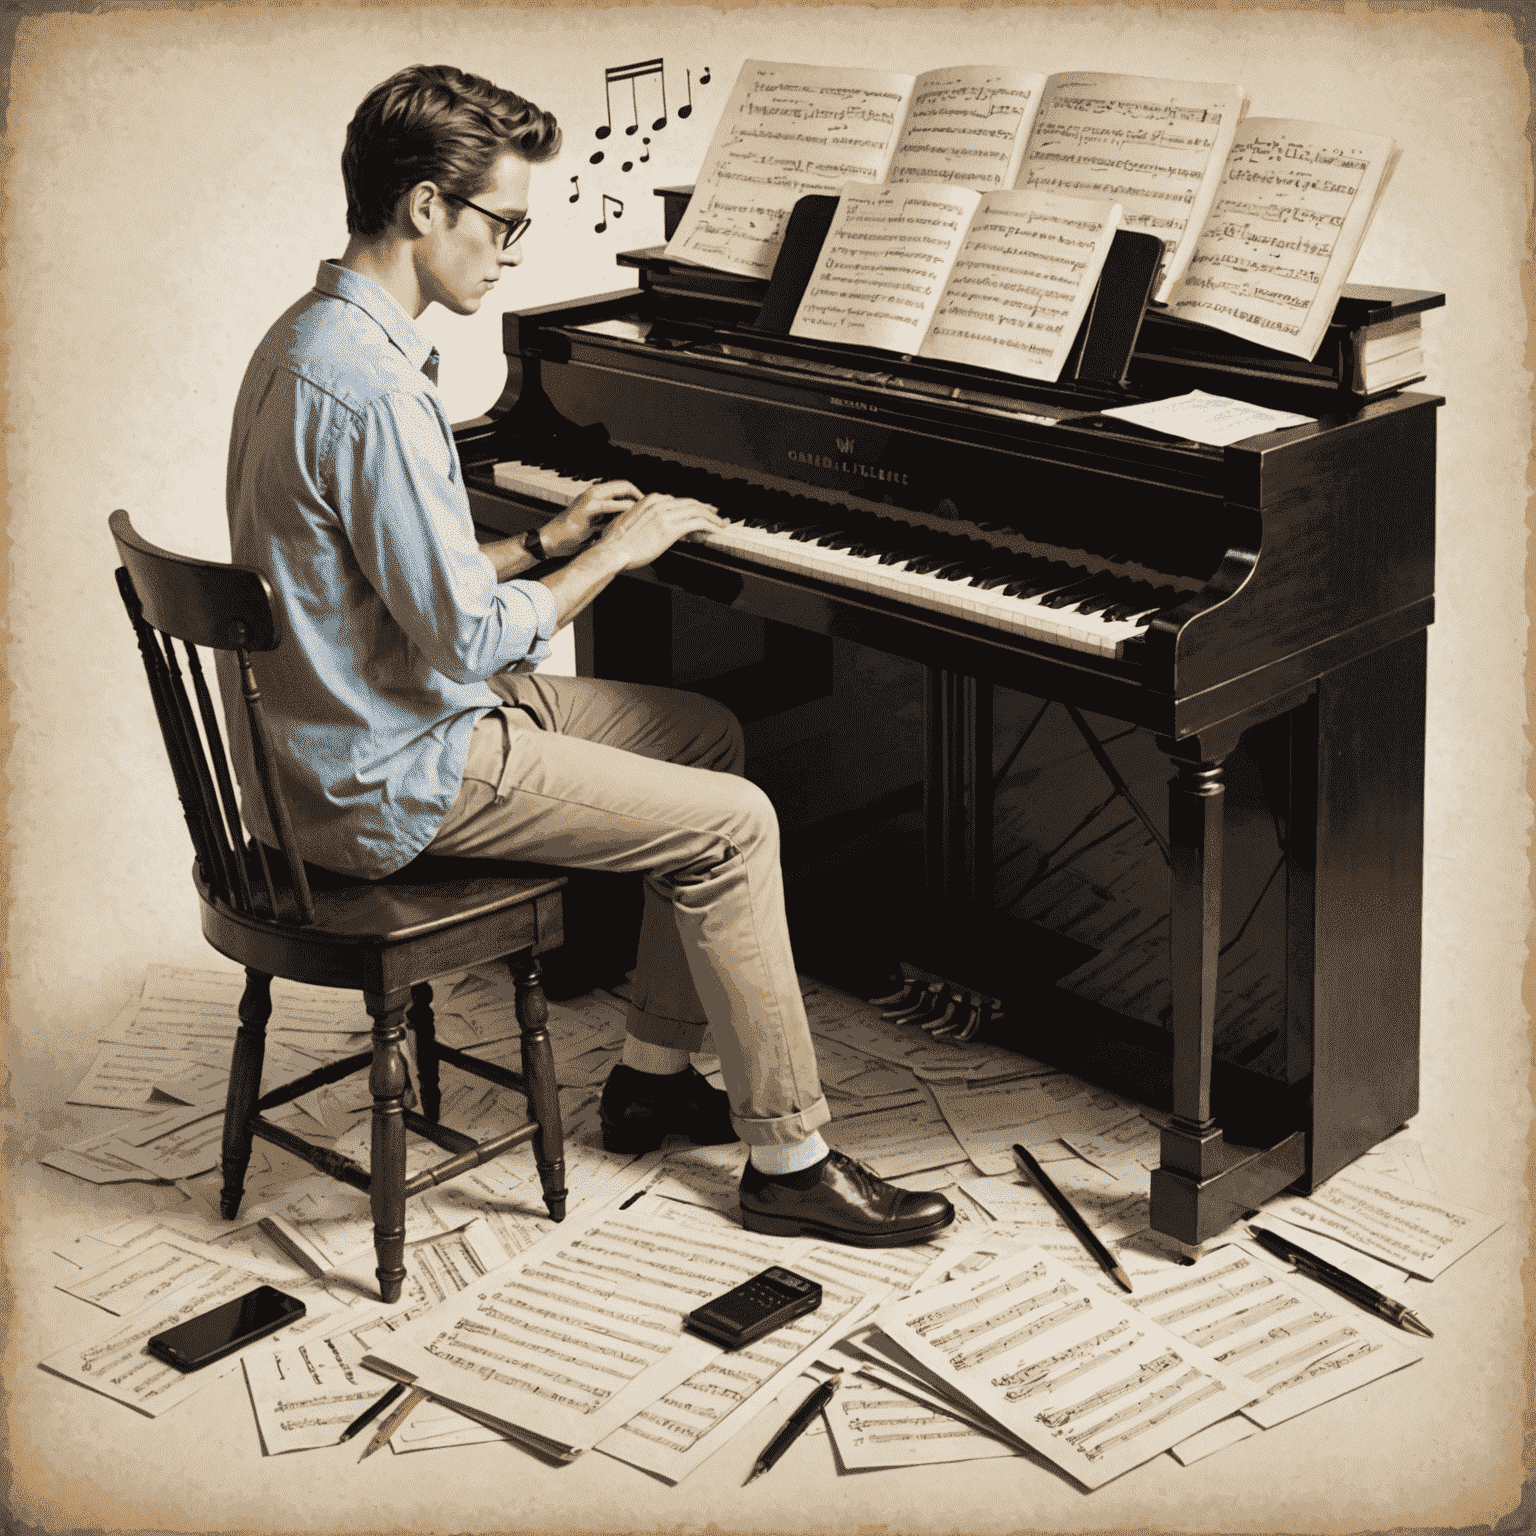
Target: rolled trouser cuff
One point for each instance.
(658, 1029)
(783, 1130)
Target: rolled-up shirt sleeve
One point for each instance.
(406, 515)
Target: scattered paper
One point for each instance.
(1412, 1228)
(1201, 418)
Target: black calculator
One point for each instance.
(757, 1306)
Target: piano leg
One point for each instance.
(1204, 1183)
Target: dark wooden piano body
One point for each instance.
(1300, 652)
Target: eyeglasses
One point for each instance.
(513, 229)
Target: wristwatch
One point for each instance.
(535, 545)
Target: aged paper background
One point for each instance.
(173, 181)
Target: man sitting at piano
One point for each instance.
(405, 702)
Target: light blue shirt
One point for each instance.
(344, 490)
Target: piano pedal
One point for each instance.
(901, 999)
(942, 1008)
(929, 1005)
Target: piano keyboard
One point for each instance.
(1055, 601)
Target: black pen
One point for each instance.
(1347, 1285)
(370, 1413)
(798, 1422)
(1069, 1214)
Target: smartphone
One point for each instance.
(209, 1336)
(757, 1306)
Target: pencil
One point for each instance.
(1068, 1213)
(393, 1422)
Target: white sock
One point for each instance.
(663, 1060)
(792, 1158)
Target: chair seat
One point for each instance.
(425, 895)
(377, 935)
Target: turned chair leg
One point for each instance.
(388, 1080)
(539, 1078)
(424, 1027)
(244, 1088)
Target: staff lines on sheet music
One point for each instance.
(758, 135)
(1148, 1370)
(1093, 1363)
(628, 1274)
(1150, 111)
(1210, 1389)
(1323, 1367)
(1246, 1317)
(1040, 1369)
(924, 1322)
(1219, 1299)
(908, 147)
(962, 297)
(520, 1320)
(1241, 214)
(999, 1319)
(1133, 1411)
(502, 1379)
(368, 1394)
(1275, 1335)
(1318, 1347)
(469, 1326)
(974, 1357)
(1098, 162)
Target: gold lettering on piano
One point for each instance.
(853, 405)
(849, 466)
(845, 445)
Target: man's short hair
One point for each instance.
(432, 122)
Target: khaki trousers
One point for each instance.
(624, 777)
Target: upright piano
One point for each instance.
(969, 623)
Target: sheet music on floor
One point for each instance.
(1072, 1371)
(1037, 1111)
(113, 1359)
(874, 1423)
(1410, 1227)
(898, 1141)
(577, 1336)
(306, 1391)
(680, 1430)
(155, 1264)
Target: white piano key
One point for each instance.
(988, 607)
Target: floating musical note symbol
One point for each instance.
(576, 195)
(687, 110)
(647, 155)
(618, 212)
(596, 159)
(628, 165)
(704, 78)
(632, 73)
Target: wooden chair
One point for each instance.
(278, 916)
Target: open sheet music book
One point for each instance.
(1261, 220)
(1293, 207)
(1156, 147)
(1000, 280)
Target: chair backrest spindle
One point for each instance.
(173, 597)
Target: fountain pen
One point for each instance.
(1339, 1280)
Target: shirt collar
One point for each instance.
(338, 282)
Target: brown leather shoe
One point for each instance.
(848, 1204)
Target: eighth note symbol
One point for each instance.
(704, 78)
(633, 72)
(647, 155)
(618, 212)
(576, 195)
